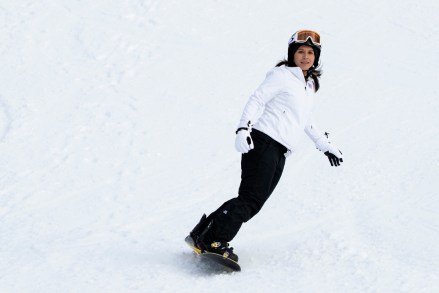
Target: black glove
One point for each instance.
(333, 159)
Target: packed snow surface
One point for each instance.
(117, 124)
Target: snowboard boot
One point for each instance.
(199, 228)
(205, 243)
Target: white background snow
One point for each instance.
(117, 124)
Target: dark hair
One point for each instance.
(314, 72)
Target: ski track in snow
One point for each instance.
(116, 134)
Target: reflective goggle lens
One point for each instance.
(302, 36)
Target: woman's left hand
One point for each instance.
(334, 158)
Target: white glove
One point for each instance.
(324, 146)
(243, 141)
(332, 152)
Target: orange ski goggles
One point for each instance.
(302, 36)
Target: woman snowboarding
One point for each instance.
(281, 109)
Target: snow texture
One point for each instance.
(117, 124)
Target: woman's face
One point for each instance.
(304, 57)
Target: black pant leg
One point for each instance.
(261, 171)
(277, 174)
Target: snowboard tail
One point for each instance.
(189, 241)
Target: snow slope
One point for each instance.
(117, 127)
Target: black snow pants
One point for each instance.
(261, 170)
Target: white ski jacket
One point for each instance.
(281, 107)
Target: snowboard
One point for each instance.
(216, 259)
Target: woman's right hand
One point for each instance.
(243, 141)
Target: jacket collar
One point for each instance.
(297, 72)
